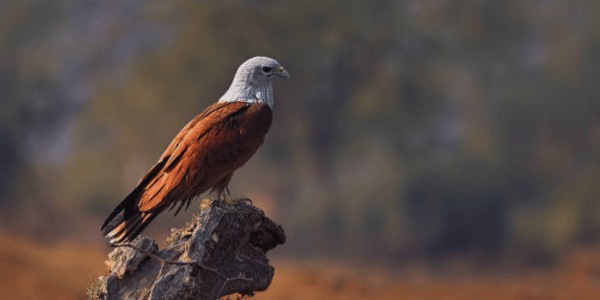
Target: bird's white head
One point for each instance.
(253, 81)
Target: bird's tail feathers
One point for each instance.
(126, 221)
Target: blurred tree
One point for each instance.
(415, 126)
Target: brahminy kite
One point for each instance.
(205, 153)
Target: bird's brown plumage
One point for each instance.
(202, 156)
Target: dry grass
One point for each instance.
(64, 271)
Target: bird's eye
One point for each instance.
(267, 69)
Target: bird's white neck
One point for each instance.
(244, 91)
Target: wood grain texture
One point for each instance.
(222, 251)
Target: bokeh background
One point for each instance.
(425, 149)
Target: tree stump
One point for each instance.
(221, 252)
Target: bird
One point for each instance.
(205, 153)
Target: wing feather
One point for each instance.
(206, 151)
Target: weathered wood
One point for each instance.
(221, 252)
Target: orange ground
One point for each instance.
(35, 271)
(64, 271)
(299, 281)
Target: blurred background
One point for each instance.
(433, 148)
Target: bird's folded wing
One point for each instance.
(189, 156)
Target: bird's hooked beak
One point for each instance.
(282, 72)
